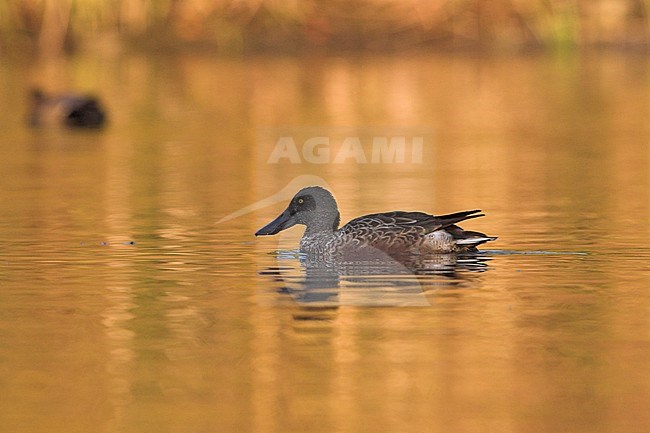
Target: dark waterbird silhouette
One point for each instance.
(71, 110)
(393, 233)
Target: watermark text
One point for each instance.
(396, 149)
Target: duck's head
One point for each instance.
(313, 207)
(37, 95)
(37, 100)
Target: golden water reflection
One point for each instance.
(126, 307)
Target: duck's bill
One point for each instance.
(283, 221)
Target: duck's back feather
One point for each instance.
(398, 230)
(400, 220)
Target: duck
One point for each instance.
(71, 110)
(392, 233)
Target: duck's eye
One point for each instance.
(301, 201)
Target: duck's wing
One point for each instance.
(399, 228)
(410, 220)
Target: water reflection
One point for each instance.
(398, 281)
(180, 332)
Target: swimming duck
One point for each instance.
(74, 111)
(392, 233)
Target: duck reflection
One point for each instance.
(377, 280)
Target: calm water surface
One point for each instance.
(128, 305)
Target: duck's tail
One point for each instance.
(444, 221)
(475, 241)
(469, 238)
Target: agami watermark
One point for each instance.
(345, 145)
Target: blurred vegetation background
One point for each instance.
(291, 26)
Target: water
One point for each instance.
(127, 304)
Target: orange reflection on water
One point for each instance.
(195, 328)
